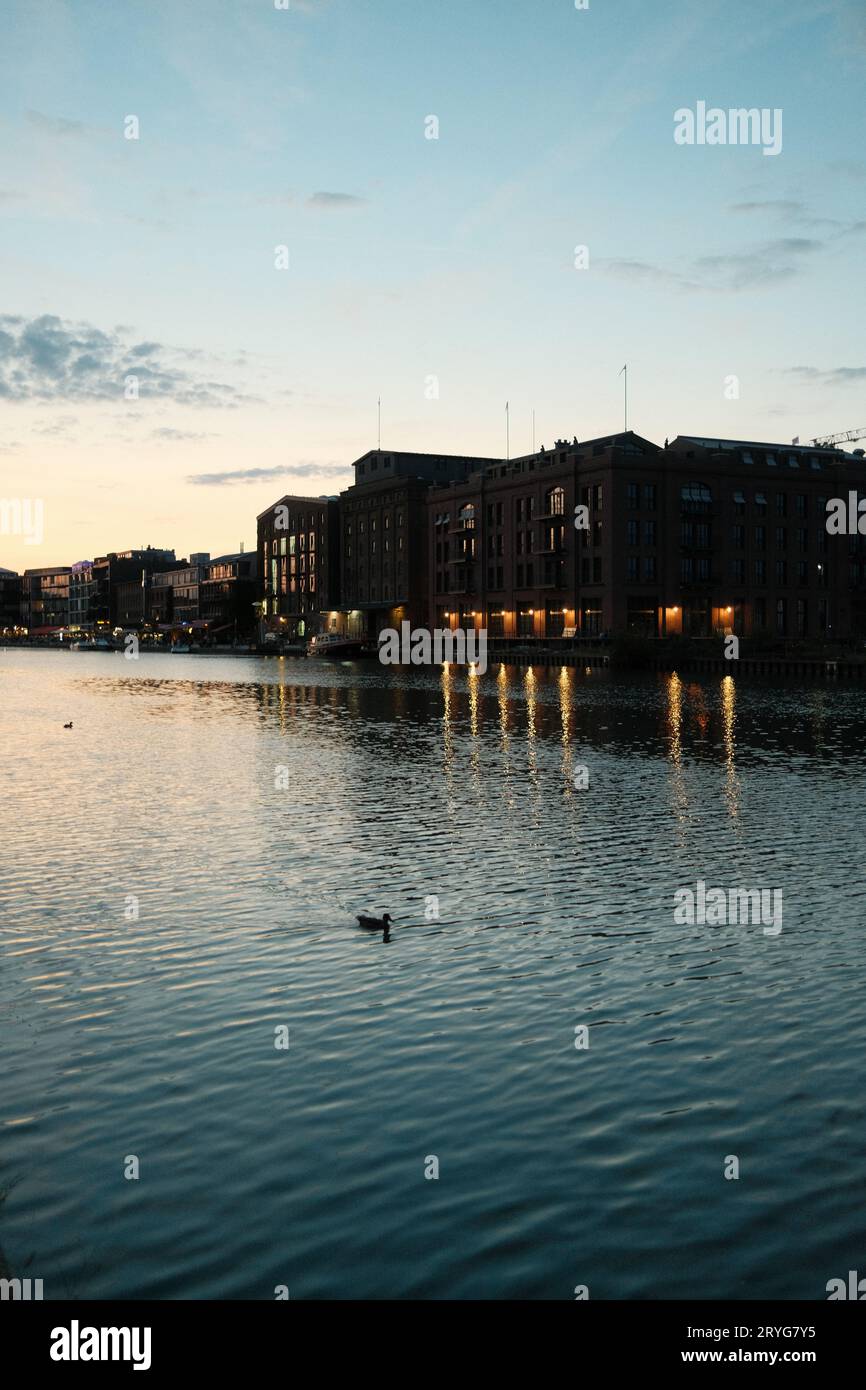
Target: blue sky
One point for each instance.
(409, 258)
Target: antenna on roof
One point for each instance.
(625, 397)
(379, 427)
(507, 434)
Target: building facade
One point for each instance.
(10, 601)
(45, 599)
(227, 596)
(299, 565)
(700, 538)
(384, 536)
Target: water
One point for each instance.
(305, 1167)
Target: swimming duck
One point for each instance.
(375, 923)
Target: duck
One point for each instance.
(68, 726)
(375, 923)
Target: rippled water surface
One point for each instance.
(247, 808)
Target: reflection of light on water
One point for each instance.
(530, 684)
(565, 691)
(473, 701)
(675, 746)
(502, 691)
(729, 715)
(447, 715)
(675, 717)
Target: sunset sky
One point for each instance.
(409, 258)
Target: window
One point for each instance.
(632, 501)
(781, 504)
(649, 567)
(781, 537)
(781, 617)
(738, 537)
(631, 568)
(781, 571)
(738, 571)
(760, 571)
(761, 501)
(802, 504)
(649, 496)
(687, 569)
(649, 533)
(466, 516)
(632, 532)
(555, 502)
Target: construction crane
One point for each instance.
(831, 440)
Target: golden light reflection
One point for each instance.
(566, 678)
(675, 717)
(729, 717)
(447, 714)
(531, 688)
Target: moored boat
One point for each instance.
(334, 644)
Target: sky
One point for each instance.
(165, 375)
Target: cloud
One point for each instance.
(335, 200)
(166, 434)
(51, 359)
(764, 264)
(56, 125)
(784, 206)
(252, 475)
(829, 376)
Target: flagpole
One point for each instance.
(624, 374)
(507, 434)
(533, 431)
(379, 426)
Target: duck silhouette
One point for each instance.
(68, 726)
(375, 923)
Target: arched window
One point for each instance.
(466, 516)
(554, 501)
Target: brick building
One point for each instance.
(298, 540)
(384, 536)
(700, 537)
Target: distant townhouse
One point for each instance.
(227, 596)
(45, 600)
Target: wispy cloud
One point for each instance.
(253, 475)
(56, 125)
(166, 435)
(828, 376)
(51, 359)
(764, 264)
(335, 200)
